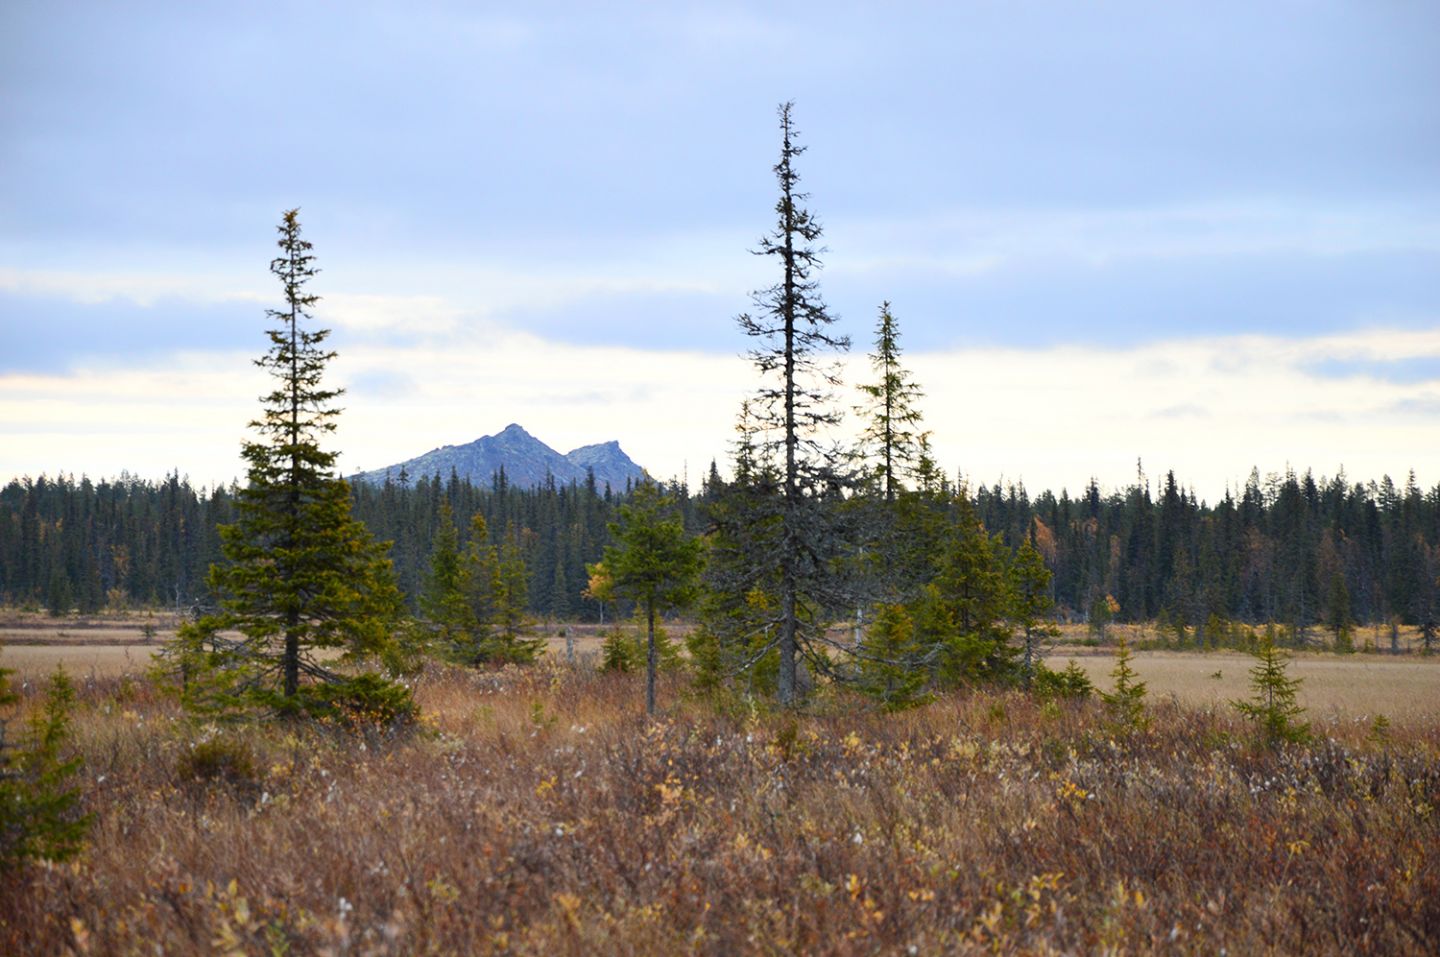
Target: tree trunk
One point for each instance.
(292, 656)
(1029, 656)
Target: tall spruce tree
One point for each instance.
(792, 409)
(511, 639)
(892, 448)
(301, 577)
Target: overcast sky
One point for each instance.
(1203, 235)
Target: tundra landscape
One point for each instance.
(1031, 543)
(537, 810)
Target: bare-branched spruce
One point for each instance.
(795, 534)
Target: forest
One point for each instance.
(1286, 548)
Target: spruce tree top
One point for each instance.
(299, 410)
(791, 319)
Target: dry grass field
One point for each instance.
(537, 812)
(1359, 685)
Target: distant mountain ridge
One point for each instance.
(525, 459)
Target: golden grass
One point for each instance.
(540, 813)
(34, 662)
(1406, 687)
(1355, 685)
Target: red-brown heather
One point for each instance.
(539, 812)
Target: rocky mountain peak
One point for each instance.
(527, 462)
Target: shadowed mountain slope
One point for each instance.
(525, 459)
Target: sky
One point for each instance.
(1200, 236)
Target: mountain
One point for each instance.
(526, 461)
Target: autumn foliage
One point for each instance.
(536, 811)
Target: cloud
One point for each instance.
(1425, 407)
(52, 334)
(382, 384)
(139, 287)
(1187, 411)
(1050, 281)
(1409, 370)
(1205, 238)
(979, 239)
(1051, 417)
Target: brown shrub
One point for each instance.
(543, 814)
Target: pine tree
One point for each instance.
(654, 563)
(301, 575)
(1337, 613)
(510, 639)
(1273, 706)
(1031, 603)
(887, 660)
(444, 600)
(791, 409)
(39, 805)
(736, 628)
(1126, 703)
(962, 614)
(891, 438)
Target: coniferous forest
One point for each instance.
(1286, 548)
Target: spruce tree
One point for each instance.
(892, 438)
(739, 594)
(892, 448)
(483, 589)
(792, 408)
(444, 602)
(887, 660)
(1337, 614)
(40, 817)
(962, 613)
(1126, 703)
(511, 639)
(655, 564)
(1272, 705)
(1031, 604)
(302, 577)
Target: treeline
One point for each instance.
(1288, 548)
(68, 544)
(559, 529)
